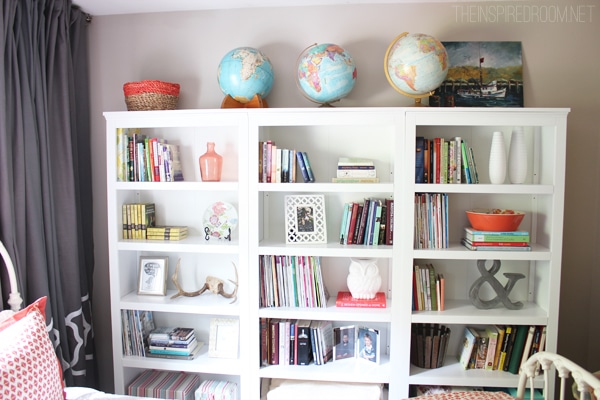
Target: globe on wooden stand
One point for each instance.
(245, 76)
(255, 102)
(415, 65)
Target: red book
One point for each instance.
(437, 143)
(345, 299)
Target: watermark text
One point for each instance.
(524, 13)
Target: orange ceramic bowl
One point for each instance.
(495, 220)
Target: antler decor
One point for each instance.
(212, 284)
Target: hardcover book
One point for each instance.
(171, 333)
(345, 299)
(304, 352)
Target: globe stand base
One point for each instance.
(256, 102)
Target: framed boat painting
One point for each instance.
(482, 74)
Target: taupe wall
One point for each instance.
(561, 56)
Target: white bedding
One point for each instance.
(84, 393)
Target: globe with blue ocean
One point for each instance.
(326, 73)
(416, 64)
(244, 73)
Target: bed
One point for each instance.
(31, 370)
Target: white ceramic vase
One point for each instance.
(497, 166)
(517, 156)
(363, 278)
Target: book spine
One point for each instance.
(518, 347)
(344, 223)
(465, 163)
(309, 169)
(302, 167)
(389, 224)
(356, 173)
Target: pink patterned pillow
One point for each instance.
(29, 368)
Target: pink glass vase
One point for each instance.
(211, 164)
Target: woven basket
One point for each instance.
(151, 95)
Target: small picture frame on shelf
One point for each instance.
(368, 344)
(153, 276)
(305, 221)
(224, 338)
(344, 342)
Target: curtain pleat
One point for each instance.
(45, 171)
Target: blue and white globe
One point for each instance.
(244, 73)
(326, 73)
(416, 64)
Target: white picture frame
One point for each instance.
(305, 219)
(152, 276)
(224, 338)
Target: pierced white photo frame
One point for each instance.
(152, 278)
(224, 338)
(305, 220)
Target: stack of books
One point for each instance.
(355, 170)
(173, 342)
(496, 241)
(167, 232)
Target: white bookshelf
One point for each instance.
(387, 135)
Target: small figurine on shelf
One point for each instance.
(211, 164)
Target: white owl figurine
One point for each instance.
(363, 278)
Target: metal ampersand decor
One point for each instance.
(487, 276)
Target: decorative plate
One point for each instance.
(220, 219)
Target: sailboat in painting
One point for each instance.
(482, 74)
(484, 90)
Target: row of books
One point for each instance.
(368, 223)
(296, 342)
(496, 241)
(279, 165)
(431, 221)
(173, 342)
(429, 289)
(136, 325)
(355, 170)
(292, 281)
(429, 345)
(137, 217)
(146, 159)
(442, 160)
(500, 347)
(164, 385)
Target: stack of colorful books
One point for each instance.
(173, 342)
(355, 170)
(496, 241)
(166, 232)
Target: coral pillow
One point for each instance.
(29, 368)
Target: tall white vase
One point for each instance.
(497, 167)
(517, 157)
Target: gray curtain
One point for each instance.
(45, 171)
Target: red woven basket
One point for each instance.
(151, 95)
